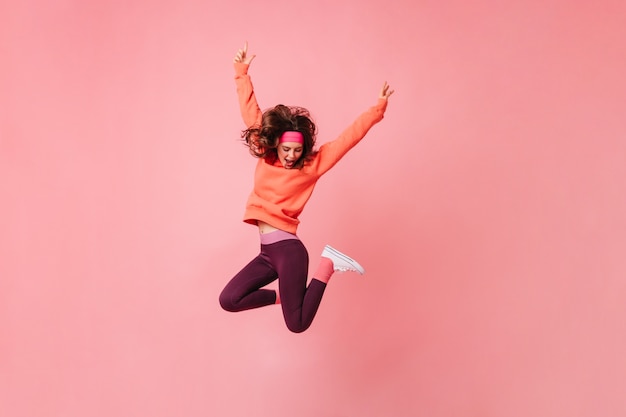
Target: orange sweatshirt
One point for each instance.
(279, 194)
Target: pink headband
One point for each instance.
(291, 136)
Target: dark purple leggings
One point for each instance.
(287, 261)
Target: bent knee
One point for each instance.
(297, 327)
(227, 303)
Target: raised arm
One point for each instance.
(250, 111)
(330, 153)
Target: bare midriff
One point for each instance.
(266, 228)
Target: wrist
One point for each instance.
(241, 68)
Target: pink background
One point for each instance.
(488, 208)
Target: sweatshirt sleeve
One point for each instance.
(250, 111)
(330, 153)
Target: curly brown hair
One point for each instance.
(263, 140)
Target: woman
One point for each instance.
(283, 138)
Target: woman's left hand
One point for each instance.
(385, 92)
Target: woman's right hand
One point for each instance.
(242, 55)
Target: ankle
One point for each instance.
(324, 270)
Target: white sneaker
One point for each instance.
(341, 262)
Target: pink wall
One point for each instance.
(488, 208)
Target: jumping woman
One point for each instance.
(283, 140)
